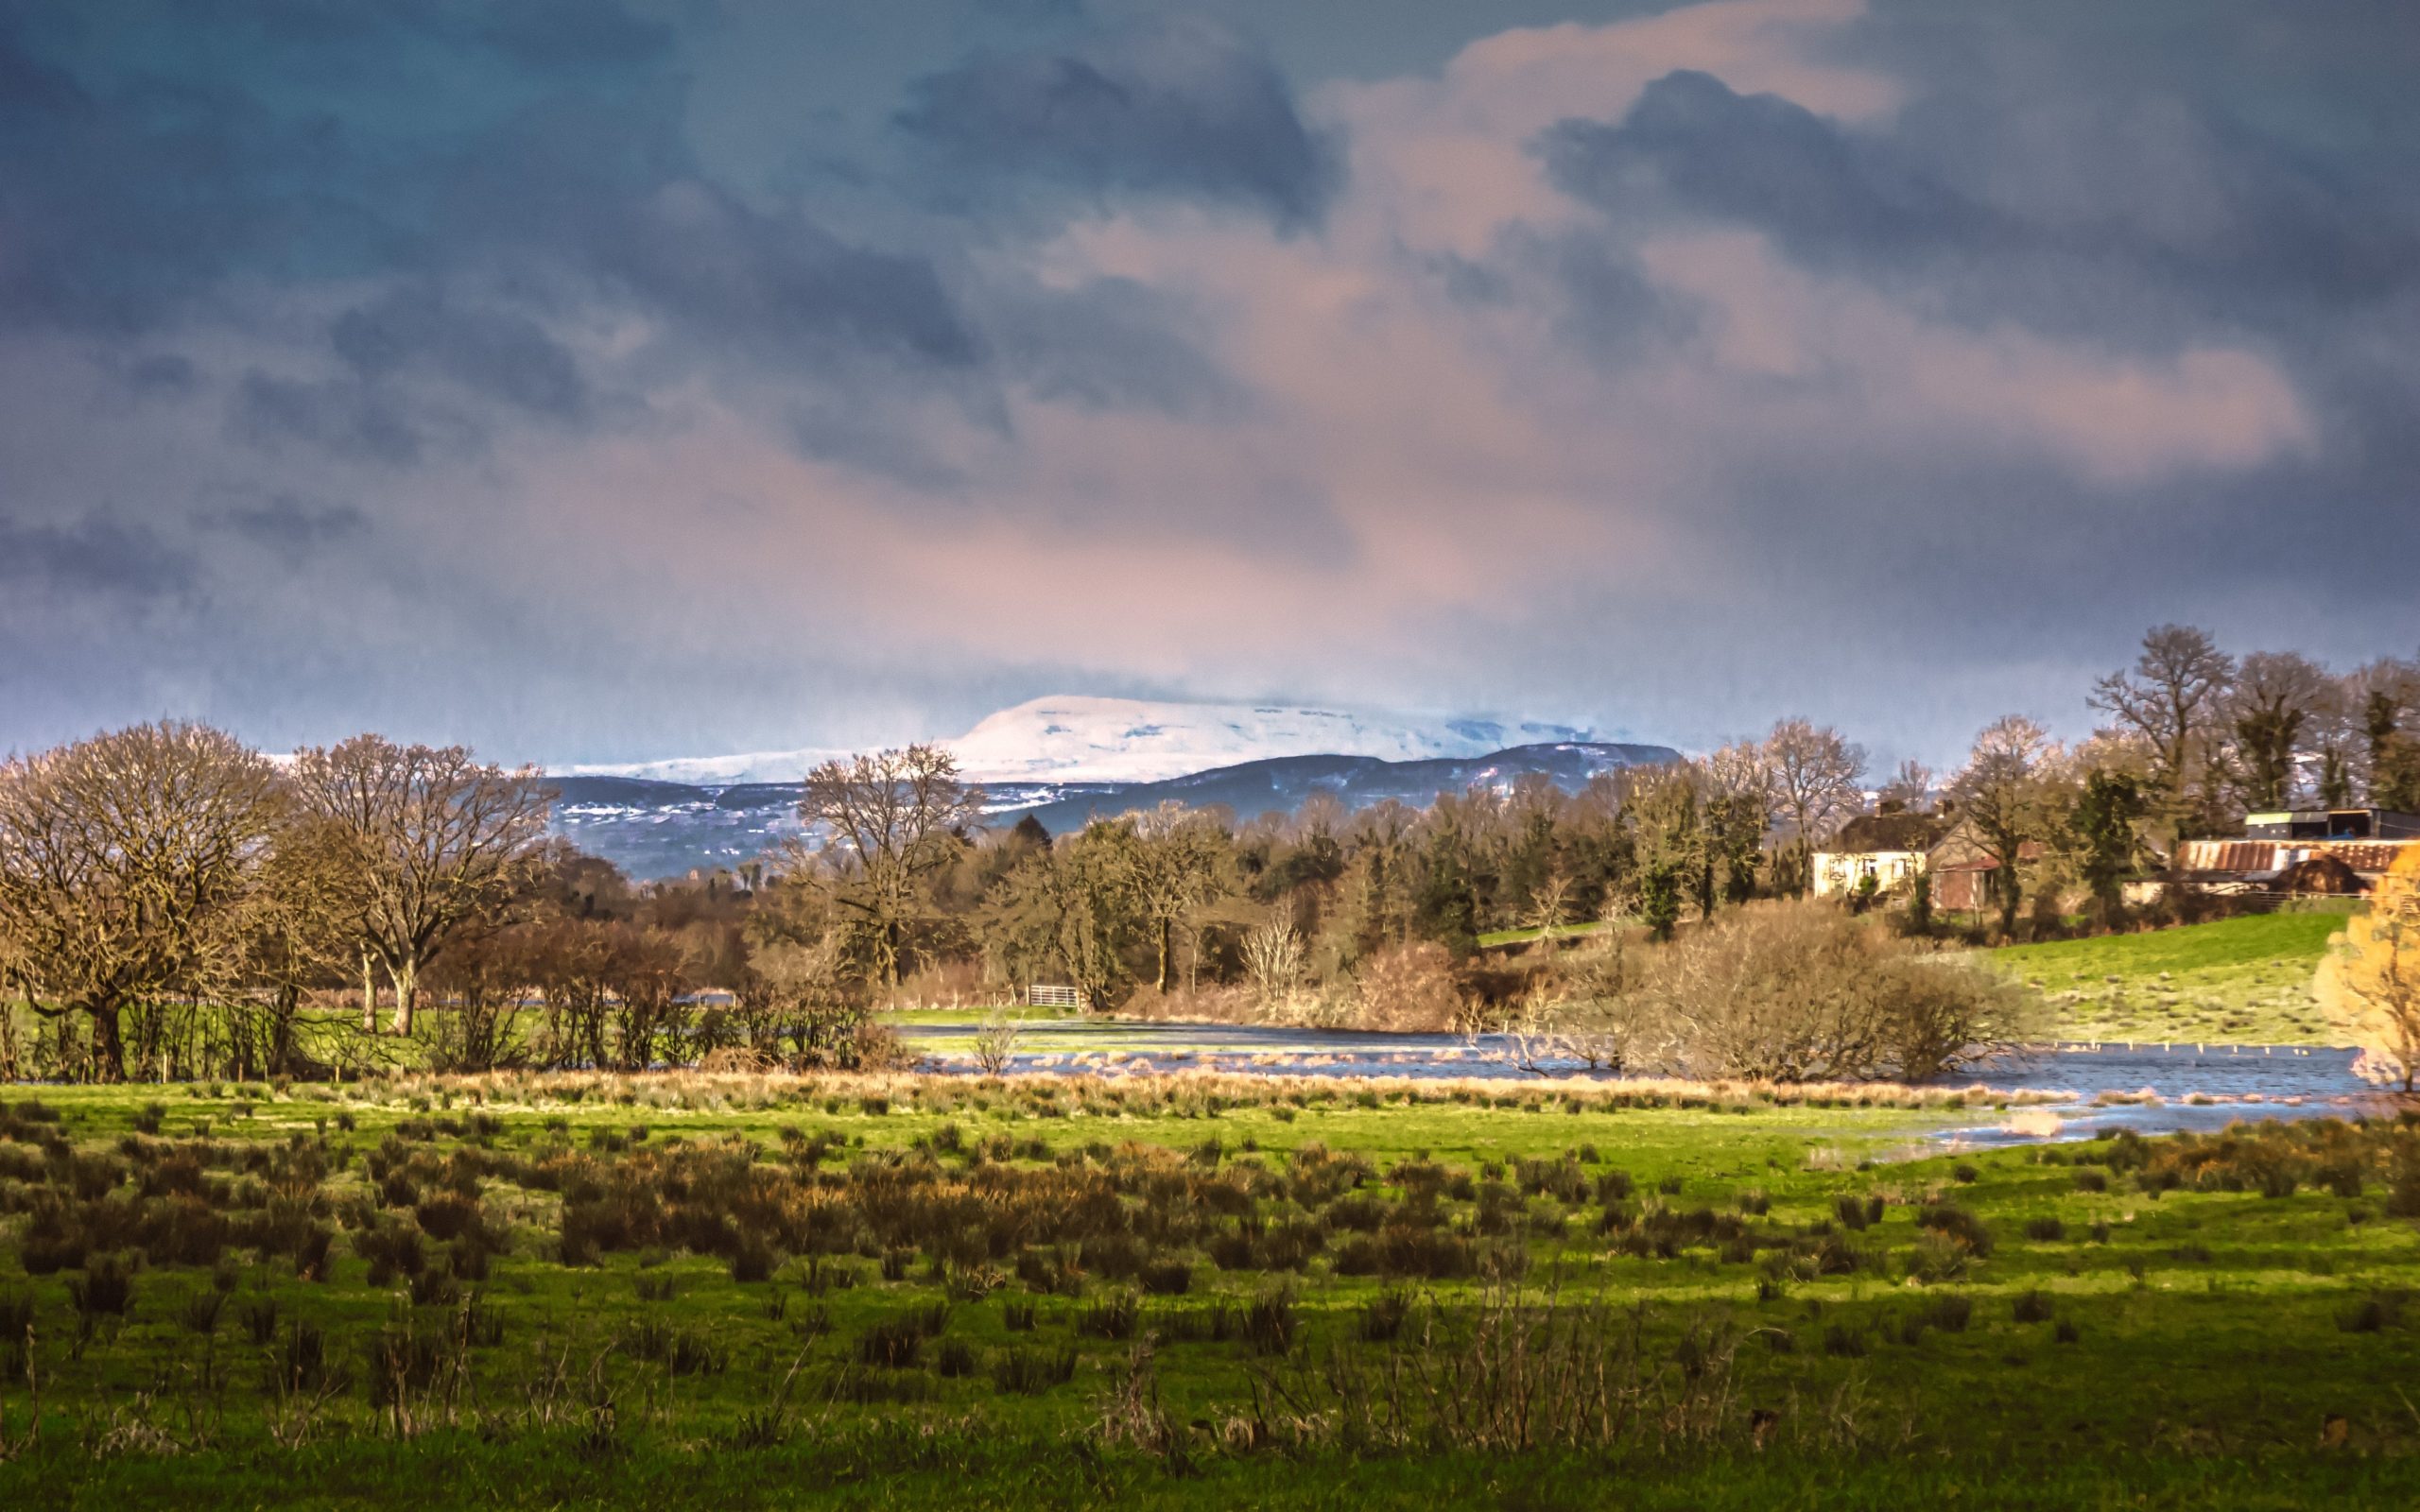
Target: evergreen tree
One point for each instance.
(2103, 823)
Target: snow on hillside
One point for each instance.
(713, 771)
(1128, 740)
(1076, 739)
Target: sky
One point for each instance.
(601, 382)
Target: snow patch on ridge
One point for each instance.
(1084, 739)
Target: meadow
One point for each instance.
(2233, 981)
(1186, 1290)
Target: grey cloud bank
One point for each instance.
(598, 383)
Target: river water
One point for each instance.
(2148, 1088)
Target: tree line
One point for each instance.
(174, 903)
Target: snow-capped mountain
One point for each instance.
(1079, 739)
(655, 829)
(1132, 740)
(1069, 760)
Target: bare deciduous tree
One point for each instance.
(433, 841)
(126, 862)
(297, 934)
(2173, 700)
(2270, 708)
(1815, 773)
(889, 820)
(1176, 868)
(1911, 786)
(995, 1041)
(1549, 903)
(2001, 794)
(1274, 957)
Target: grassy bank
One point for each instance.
(2243, 981)
(1523, 937)
(1191, 1291)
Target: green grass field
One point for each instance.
(1522, 936)
(2243, 981)
(909, 1290)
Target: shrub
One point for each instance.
(302, 1359)
(434, 1288)
(1950, 1312)
(1112, 1317)
(1801, 991)
(1408, 987)
(680, 1352)
(1355, 1214)
(260, 1318)
(2342, 1178)
(1937, 1258)
(448, 1215)
(389, 1248)
(1269, 1324)
(1030, 1372)
(954, 1359)
(868, 1387)
(105, 1288)
(2370, 1314)
(2032, 1307)
(1955, 1222)
(16, 1315)
(2046, 1230)
(1384, 1316)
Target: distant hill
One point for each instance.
(651, 828)
(1253, 788)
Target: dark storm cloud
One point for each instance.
(117, 204)
(575, 34)
(2041, 207)
(566, 189)
(777, 284)
(161, 376)
(1178, 107)
(498, 353)
(141, 194)
(97, 553)
(2054, 328)
(2138, 222)
(343, 415)
(291, 528)
(1763, 159)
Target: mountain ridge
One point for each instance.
(1082, 738)
(652, 828)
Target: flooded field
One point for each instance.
(2148, 1087)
